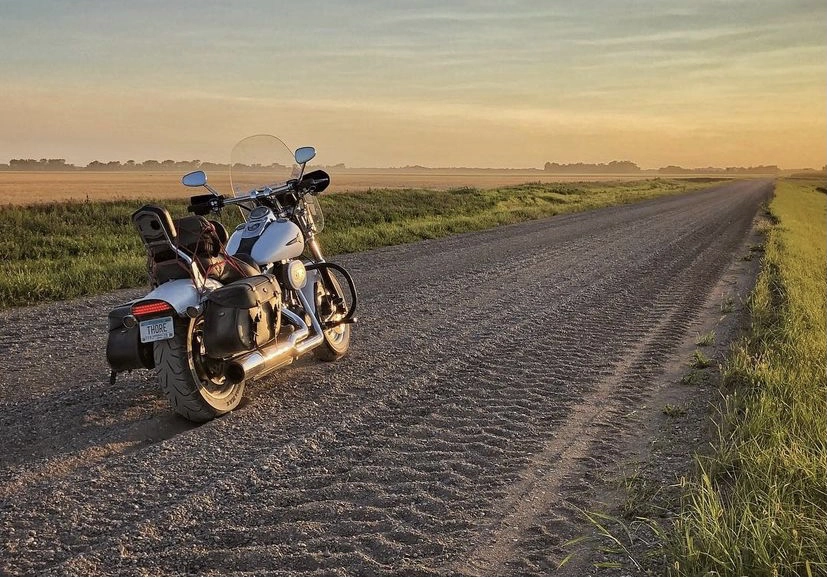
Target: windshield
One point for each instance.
(258, 161)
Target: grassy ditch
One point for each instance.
(63, 250)
(759, 505)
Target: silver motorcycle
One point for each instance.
(227, 308)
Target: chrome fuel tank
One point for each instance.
(282, 239)
(266, 238)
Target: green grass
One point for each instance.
(759, 504)
(727, 305)
(706, 339)
(700, 360)
(694, 377)
(64, 250)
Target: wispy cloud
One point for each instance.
(536, 74)
(672, 36)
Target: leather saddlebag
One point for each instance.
(242, 316)
(124, 350)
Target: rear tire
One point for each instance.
(195, 392)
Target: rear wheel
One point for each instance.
(194, 383)
(332, 306)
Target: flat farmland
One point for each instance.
(25, 187)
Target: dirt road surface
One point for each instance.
(491, 376)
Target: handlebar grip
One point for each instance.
(203, 204)
(200, 208)
(316, 181)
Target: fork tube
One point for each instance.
(313, 244)
(316, 250)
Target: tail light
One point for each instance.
(150, 308)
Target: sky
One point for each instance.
(372, 83)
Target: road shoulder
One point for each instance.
(634, 502)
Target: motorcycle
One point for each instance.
(223, 308)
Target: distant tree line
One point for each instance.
(763, 169)
(184, 166)
(62, 165)
(37, 165)
(148, 165)
(629, 167)
(612, 167)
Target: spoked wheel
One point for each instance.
(195, 384)
(332, 307)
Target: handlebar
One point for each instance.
(314, 182)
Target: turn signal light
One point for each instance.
(149, 308)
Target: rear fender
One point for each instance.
(180, 293)
(124, 350)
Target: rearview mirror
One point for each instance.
(195, 179)
(304, 154)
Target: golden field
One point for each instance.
(25, 187)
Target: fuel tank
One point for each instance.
(266, 238)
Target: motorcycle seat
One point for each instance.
(203, 240)
(236, 267)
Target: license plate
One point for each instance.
(157, 329)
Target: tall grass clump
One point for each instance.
(759, 504)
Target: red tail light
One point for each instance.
(150, 308)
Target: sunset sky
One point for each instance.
(443, 83)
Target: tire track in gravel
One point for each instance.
(540, 487)
(404, 457)
(590, 436)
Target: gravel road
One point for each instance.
(489, 375)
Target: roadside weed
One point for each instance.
(616, 540)
(727, 305)
(693, 377)
(673, 411)
(700, 360)
(706, 339)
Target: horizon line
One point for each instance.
(195, 164)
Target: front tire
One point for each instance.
(336, 340)
(194, 384)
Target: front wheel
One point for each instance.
(332, 306)
(194, 383)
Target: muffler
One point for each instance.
(280, 353)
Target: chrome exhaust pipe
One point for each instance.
(318, 334)
(269, 358)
